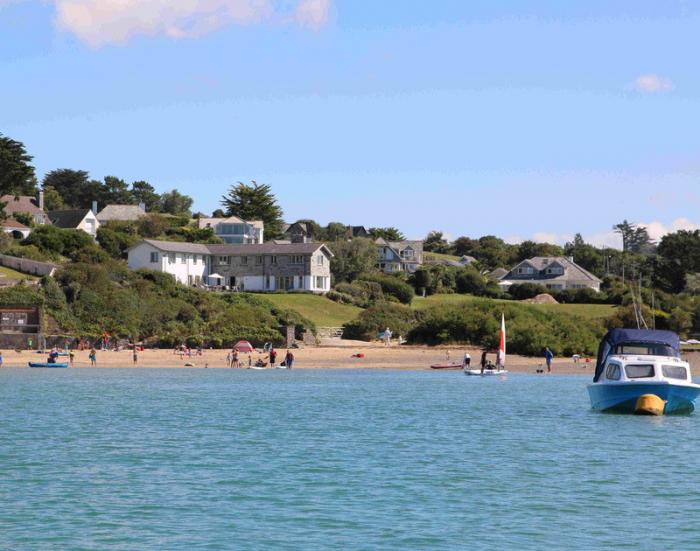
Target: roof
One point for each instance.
(210, 222)
(498, 273)
(20, 203)
(572, 271)
(622, 336)
(121, 212)
(68, 218)
(14, 224)
(226, 249)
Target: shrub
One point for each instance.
(400, 319)
(392, 286)
(523, 291)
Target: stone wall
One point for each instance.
(26, 266)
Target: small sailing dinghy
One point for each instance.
(47, 364)
(500, 367)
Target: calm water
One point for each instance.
(234, 459)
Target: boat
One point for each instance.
(450, 365)
(500, 366)
(641, 371)
(47, 364)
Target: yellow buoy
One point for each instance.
(649, 404)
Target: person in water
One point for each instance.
(483, 361)
(548, 357)
(289, 359)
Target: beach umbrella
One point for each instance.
(244, 346)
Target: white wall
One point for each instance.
(140, 257)
(90, 224)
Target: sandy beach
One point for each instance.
(377, 356)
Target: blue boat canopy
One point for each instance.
(656, 343)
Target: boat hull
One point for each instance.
(485, 373)
(48, 365)
(446, 366)
(622, 398)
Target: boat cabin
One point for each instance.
(627, 368)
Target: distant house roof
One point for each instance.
(124, 213)
(20, 203)
(210, 222)
(225, 249)
(572, 271)
(498, 273)
(358, 231)
(14, 224)
(466, 259)
(69, 219)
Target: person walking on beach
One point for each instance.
(387, 337)
(289, 359)
(234, 359)
(229, 360)
(93, 357)
(548, 357)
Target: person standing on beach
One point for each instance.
(234, 359)
(387, 337)
(273, 356)
(136, 355)
(93, 357)
(467, 361)
(71, 356)
(229, 360)
(289, 359)
(483, 361)
(548, 357)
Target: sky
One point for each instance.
(527, 119)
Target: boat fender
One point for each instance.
(649, 404)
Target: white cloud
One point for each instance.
(100, 22)
(652, 83)
(313, 14)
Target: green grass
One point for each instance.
(439, 256)
(322, 311)
(8, 273)
(589, 311)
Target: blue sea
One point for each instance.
(325, 459)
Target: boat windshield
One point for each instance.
(639, 371)
(644, 349)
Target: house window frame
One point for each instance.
(155, 257)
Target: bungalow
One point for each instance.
(399, 256)
(15, 229)
(121, 213)
(555, 273)
(76, 219)
(259, 267)
(34, 206)
(234, 230)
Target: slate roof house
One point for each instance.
(15, 204)
(121, 213)
(257, 267)
(399, 256)
(234, 230)
(298, 232)
(557, 273)
(76, 219)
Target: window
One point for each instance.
(155, 257)
(612, 373)
(194, 259)
(244, 260)
(285, 283)
(171, 258)
(639, 371)
(297, 259)
(644, 349)
(675, 372)
(273, 260)
(407, 253)
(526, 270)
(320, 260)
(268, 282)
(320, 282)
(258, 260)
(555, 270)
(223, 260)
(183, 259)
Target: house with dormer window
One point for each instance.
(399, 256)
(555, 273)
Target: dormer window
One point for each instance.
(525, 270)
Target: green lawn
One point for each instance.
(439, 256)
(322, 311)
(8, 273)
(590, 311)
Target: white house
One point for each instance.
(76, 219)
(556, 273)
(399, 256)
(15, 229)
(262, 267)
(233, 230)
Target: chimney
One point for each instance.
(41, 199)
(94, 208)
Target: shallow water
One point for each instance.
(237, 459)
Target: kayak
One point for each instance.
(452, 365)
(487, 372)
(46, 364)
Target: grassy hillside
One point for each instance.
(439, 256)
(320, 310)
(588, 311)
(8, 273)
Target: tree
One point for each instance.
(464, 246)
(530, 249)
(52, 199)
(218, 213)
(254, 202)
(389, 234)
(115, 191)
(335, 231)
(679, 255)
(493, 252)
(436, 243)
(352, 258)
(16, 173)
(635, 239)
(586, 256)
(174, 202)
(73, 186)
(143, 192)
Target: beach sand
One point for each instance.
(330, 356)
